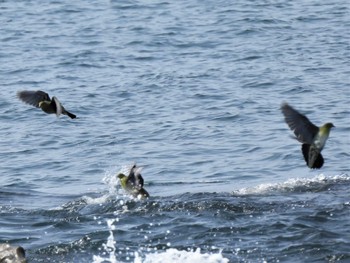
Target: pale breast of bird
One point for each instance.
(320, 140)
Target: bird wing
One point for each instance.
(143, 193)
(33, 97)
(318, 161)
(304, 130)
(59, 107)
(135, 178)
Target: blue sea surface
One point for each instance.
(190, 91)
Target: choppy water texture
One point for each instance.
(191, 91)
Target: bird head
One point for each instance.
(123, 180)
(329, 125)
(326, 128)
(121, 176)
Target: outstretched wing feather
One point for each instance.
(304, 130)
(33, 97)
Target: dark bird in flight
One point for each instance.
(41, 99)
(313, 138)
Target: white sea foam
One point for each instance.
(170, 255)
(292, 184)
(96, 200)
(173, 255)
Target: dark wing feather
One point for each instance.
(139, 181)
(33, 97)
(304, 130)
(143, 192)
(135, 178)
(319, 160)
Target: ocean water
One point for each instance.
(191, 91)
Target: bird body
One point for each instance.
(323, 134)
(41, 99)
(133, 183)
(313, 138)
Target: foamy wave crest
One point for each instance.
(96, 200)
(316, 183)
(173, 255)
(170, 255)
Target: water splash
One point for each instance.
(111, 181)
(109, 247)
(170, 255)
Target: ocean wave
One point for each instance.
(318, 183)
(170, 255)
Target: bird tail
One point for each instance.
(71, 115)
(318, 163)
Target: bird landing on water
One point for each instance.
(133, 182)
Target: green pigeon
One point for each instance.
(41, 99)
(133, 183)
(313, 138)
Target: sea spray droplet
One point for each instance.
(109, 247)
